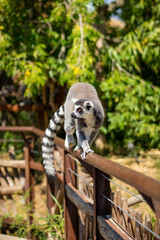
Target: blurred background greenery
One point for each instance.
(46, 46)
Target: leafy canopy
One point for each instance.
(72, 41)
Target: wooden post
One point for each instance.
(101, 205)
(50, 190)
(29, 181)
(70, 210)
(50, 201)
(31, 159)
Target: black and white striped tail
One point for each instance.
(48, 142)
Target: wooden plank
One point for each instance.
(138, 228)
(18, 108)
(118, 202)
(15, 170)
(131, 222)
(7, 237)
(70, 210)
(9, 201)
(113, 206)
(12, 163)
(79, 200)
(59, 198)
(22, 177)
(8, 177)
(110, 231)
(28, 184)
(21, 164)
(36, 166)
(50, 189)
(147, 235)
(11, 190)
(134, 200)
(157, 228)
(124, 217)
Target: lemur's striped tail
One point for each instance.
(48, 142)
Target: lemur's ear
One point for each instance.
(88, 105)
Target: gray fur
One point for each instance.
(82, 113)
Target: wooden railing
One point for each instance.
(110, 218)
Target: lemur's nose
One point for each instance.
(73, 115)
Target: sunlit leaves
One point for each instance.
(58, 41)
(132, 109)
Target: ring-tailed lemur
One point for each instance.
(83, 113)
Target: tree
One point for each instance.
(63, 42)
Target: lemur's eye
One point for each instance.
(79, 110)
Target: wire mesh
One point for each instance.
(141, 199)
(77, 175)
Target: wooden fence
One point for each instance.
(103, 214)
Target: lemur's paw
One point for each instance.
(76, 148)
(83, 155)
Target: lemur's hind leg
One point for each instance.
(69, 128)
(92, 136)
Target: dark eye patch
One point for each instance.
(88, 106)
(79, 110)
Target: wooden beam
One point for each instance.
(110, 230)
(79, 201)
(70, 210)
(18, 108)
(21, 164)
(10, 190)
(102, 206)
(36, 166)
(134, 200)
(7, 237)
(12, 163)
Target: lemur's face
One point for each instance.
(83, 111)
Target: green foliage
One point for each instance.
(135, 12)
(80, 59)
(11, 139)
(40, 227)
(132, 111)
(131, 90)
(31, 33)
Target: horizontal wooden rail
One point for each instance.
(11, 190)
(21, 164)
(18, 108)
(141, 182)
(34, 130)
(36, 166)
(12, 163)
(79, 200)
